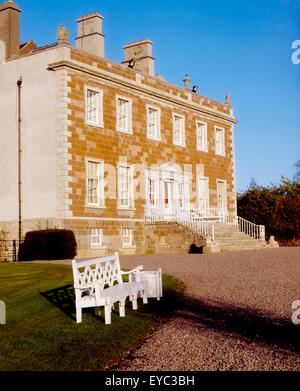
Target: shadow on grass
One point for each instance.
(63, 298)
(237, 322)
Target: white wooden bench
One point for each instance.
(99, 283)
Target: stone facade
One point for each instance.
(72, 72)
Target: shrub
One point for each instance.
(48, 245)
(276, 207)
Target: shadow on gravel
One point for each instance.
(243, 323)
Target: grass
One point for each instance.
(41, 333)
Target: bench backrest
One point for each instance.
(105, 271)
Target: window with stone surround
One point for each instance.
(202, 144)
(96, 237)
(153, 123)
(179, 130)
(203, 194)
(220, 141)
(181, 195)
(126, 191)
(127, 237)
(94, 106)
(95, 183)
(124, 116)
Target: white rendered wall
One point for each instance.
(39, 135)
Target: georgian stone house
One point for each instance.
(111, 151)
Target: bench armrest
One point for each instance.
(136, 270)
(85, 287)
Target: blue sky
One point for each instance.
(237, 46)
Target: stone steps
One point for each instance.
(230, 239)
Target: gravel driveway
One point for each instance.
(235, 314)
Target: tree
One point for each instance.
(287, 218)
(276, 206)
(297, 176)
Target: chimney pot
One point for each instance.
(9, 30)
(90, 37)
(141, 53)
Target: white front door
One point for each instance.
(168, 199)
(222, 196)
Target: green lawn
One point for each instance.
(41, 332)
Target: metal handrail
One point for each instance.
(202, 222)
(245, 226)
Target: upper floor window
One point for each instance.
(95, 183)
(153, 123)
(179, 130)
(94, 106)
(220, 141)
(124, 121)
(126, 196)
(202, 144)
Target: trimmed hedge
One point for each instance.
(54, 244)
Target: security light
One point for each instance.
(131, 64)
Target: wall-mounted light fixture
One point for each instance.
(131, 63)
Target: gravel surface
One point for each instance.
(235, 314)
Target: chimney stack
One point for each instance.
(141, 54)
(9, 30)
(90, 37)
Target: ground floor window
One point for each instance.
(203, 194)
(127, 237)
(96, 237)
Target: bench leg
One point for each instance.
(145, 298)
(134, 302)
(98, 311)
(78, 315)
(122, 308)
(108, 314)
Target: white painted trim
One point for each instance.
(131, 237)
(158, 130)
(131, 201)
(226, 191)
(129, 119)
(183, 145)
(198, 190)
(100, 123)
(104, 219)
(224, 141)
(206, 130)
(101, 236)
(101, 204)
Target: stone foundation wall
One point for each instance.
(156, 238)
(169, 238)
